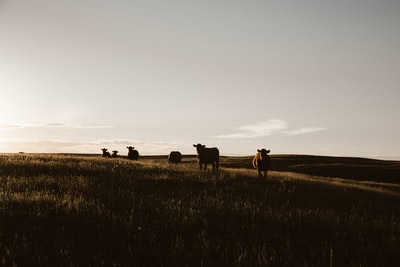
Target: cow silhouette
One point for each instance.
(262, 162)
(115, 154)
(132, 153)
(106, 154)
(175, 157)
(207, 155)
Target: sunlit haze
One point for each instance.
(297, 77)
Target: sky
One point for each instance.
(296, 77)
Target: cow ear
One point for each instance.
(194, 145)
(268, 151)
(258, 150)
(203, 146)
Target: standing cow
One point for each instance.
(207, 155)
(132, 153)
(174, 157)
(262, 162)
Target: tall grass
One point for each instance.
(90, 211)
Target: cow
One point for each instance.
(106, 154)
(262, 162)
(175, 157)
(115, 154)
(132, 153)
(207, 155)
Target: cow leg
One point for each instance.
(205, 166)
(259, 174)
(213, 166)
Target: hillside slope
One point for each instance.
(341, 167)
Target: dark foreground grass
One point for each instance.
(89, 211)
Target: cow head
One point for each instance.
(263, 152)
(130, 148)
(104, 150)
(199, 147)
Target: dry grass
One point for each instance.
(58, 210)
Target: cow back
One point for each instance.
(208, 155)
(175, 156)
(133, 154)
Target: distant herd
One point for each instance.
(205, 155)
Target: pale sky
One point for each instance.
(299, 77)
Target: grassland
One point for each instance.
(72, 210)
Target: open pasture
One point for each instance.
(76, 210)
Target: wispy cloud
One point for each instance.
(305, 130)
(268, 128)
(54, 125)
(9, 126)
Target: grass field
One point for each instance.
(76, 210)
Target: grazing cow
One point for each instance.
(174, 157)
(115, 154)
(132, 153)
(262, 162)
(207, 155)
(106, 154)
